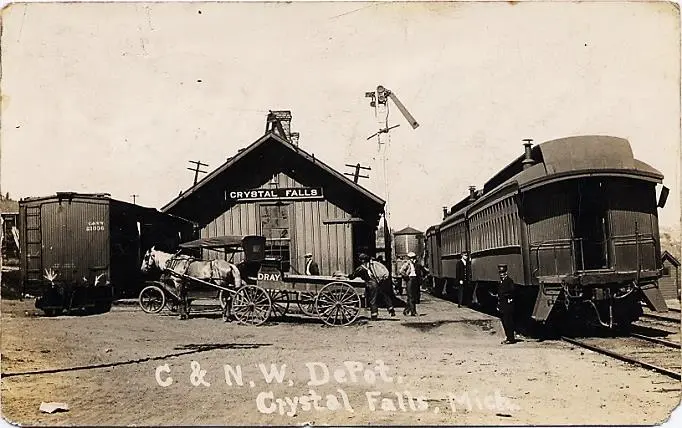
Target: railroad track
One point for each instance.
(661, 318)
(668, 343)
(654, 354)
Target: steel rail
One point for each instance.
(661, 370)
(661, 318)
(663, 342)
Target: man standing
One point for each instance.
(410, 272)
(311, 267)
(505, 295)
(462, 270)
(375, 275)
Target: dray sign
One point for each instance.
(279, 194)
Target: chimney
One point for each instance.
(445, 212)
(528, 160)
(472, 193)
(294, 138)
(284, 118)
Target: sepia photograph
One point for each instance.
(305, 213)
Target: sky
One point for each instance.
(118, 97)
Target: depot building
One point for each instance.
(301, 205)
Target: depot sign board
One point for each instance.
(278, 194)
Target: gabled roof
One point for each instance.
(408, 231)
(283, 150)
(667, 256)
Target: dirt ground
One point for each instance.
(445, 367)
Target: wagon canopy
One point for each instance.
(233, 243)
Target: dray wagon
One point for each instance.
(264, 290)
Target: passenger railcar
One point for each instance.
(574, 219)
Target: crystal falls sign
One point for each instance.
(276, 194)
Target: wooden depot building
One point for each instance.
(300, 204)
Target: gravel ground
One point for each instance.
(445, 367)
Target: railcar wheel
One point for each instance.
(337, 304)
(251, 305)
(306, 303)
(280, 303)
(152, 299)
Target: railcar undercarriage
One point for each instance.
(611, 306)
(608, 305)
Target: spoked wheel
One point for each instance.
(280, 303)
(251, 305)
(337, 304)
(152, 299)
(306, 303)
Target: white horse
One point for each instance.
(219, 272)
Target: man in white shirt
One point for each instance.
(410, 272)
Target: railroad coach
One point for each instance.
(574, 219)
(89, 243)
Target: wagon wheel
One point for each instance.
(251, 305)
(280, 303)
(306, 303)
(152, 299)
(337, 304)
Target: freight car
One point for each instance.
(574, 219)
(79, 251)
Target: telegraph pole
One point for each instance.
(379, 101)
(197, 170)
(356, 175)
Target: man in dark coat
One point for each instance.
(375, 275)
(506, 297)
(462, 272)
(311, 267)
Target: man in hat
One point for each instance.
(462, 270)
(311, 267)
(411, 272)
(374, 274)
(506, 296)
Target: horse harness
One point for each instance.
(173, 262)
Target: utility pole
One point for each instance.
(379, 101)
(356, 175)
(197, 170)
(134, 198)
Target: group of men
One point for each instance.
(377, 280)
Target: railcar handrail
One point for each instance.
(553, 246)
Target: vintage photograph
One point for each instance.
(340, 213)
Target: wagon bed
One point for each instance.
(334, 300)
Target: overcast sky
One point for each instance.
(118, 97)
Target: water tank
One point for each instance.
(406, 240)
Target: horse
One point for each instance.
(219, 272)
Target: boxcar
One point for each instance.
(574, 219)
(88, 248)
